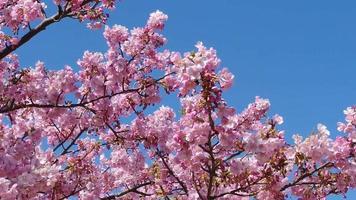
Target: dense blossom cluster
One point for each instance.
(87, 133)
(18, 14)
(20, 20)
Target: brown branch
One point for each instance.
(210, 148)
(13, 107)
(234, 192)
(328, 164)
(29, 35)
(171, 172)
(233, 156)
(61, 13)
(66, 138)
(134, 189)
(196, 187)
(73, 142)
(71, 194)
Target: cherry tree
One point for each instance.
(65, 133)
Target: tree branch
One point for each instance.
(42, 26)
(61, 13)
(134, 189)
(12, 107)
(171, 172)
(328, 164)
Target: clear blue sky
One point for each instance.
(299, 54)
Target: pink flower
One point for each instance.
(115, 35)
(278, 119)
(8, 190)
(157, 20)
(225, 78)
(94, 133)
(14, 41)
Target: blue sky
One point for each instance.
(299, 54)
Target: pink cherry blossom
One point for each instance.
(226, 78)
(157, 20)
(97, 132)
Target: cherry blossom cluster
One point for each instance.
(16, 14)
(350, 125)
(20, 20)
(89, 133)
(75, 115)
